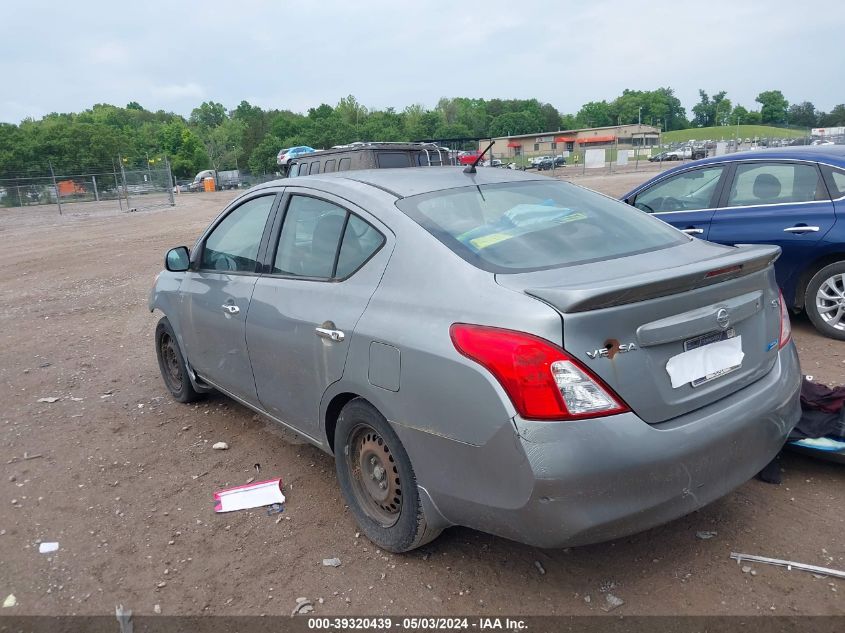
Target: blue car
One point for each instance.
(791, 197)
(285, 155)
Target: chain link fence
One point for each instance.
(612, 157)
(116, 190)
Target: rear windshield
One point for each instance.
(522, 226)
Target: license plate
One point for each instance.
(707, 339)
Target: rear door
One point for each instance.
(216, 294)
(685, 200)
(776, 202)
(320, 272)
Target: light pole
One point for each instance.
(640, 116)
(737, 131)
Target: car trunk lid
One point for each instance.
(637, 322)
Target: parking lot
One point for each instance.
(122, 476)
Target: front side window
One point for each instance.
(312, 232)
(774, 183)
(329, 167)
(233, 244)
(523, 226)
(687, 191)
(315, 167)
(344, 164)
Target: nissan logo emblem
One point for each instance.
(722, 318)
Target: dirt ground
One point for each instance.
(122, 476)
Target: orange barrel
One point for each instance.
(208, 184)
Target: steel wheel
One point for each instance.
(830, 301)
(375, 477)
(170, 361)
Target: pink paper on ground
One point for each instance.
(261, 493)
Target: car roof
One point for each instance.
(411, 181)
(824, 153)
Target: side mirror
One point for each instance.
(178, 259)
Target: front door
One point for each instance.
(216, 295)
(783, 203)
(327, 264)
(685, 200)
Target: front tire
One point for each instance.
(172, 364)
(825, 300)
(378, 481)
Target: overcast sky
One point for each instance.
(67, 56)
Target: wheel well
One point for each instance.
(333, 413)
(804, 280)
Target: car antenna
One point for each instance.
(470, 169)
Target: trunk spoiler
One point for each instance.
(745, 260)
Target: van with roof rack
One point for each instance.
(357, 156)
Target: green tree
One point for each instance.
(803, 114)
(208, 115)
(835, 118)
(773, 106)
(595, 114)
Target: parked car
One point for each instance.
(545, 163)
(284, 156)
(452, 340)
(369, 156)
(790, 197)
(658, 157)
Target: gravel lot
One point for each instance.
(122, 476)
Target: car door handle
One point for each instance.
(231, 309)
(328, 333)
(801, 229)
(692, 231)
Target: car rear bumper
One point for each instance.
(555, 484)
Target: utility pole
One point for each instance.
(56, 187)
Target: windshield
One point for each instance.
(523, 226)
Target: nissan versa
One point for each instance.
(496, 350)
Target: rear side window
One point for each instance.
(329, 166)
(523, 226)
(294, 170)
(835, 181)
(393, 159)
(315, 167)
(775, 183)
(321, 240)
(233, 244)
(344, 164)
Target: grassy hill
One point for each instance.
(726, 132)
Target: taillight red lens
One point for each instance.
(785, 325)
(541, 379)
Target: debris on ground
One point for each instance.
(746, 569)
(276, 508)
(705, 534)
(303, 607)
(156, 608)
(256, 495)
(611, 602)
(10, 601)
(788, 564)
(588, 599)
(124, 618)
(49, 400)
(540, 567)
(27, 456)
(220, 446)
(331, 562)
(46, 548)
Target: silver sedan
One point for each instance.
(496, 350)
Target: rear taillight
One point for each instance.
(541, 379)
(785, 325)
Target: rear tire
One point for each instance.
(825, 300)
(378, 481)
(172, 364)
